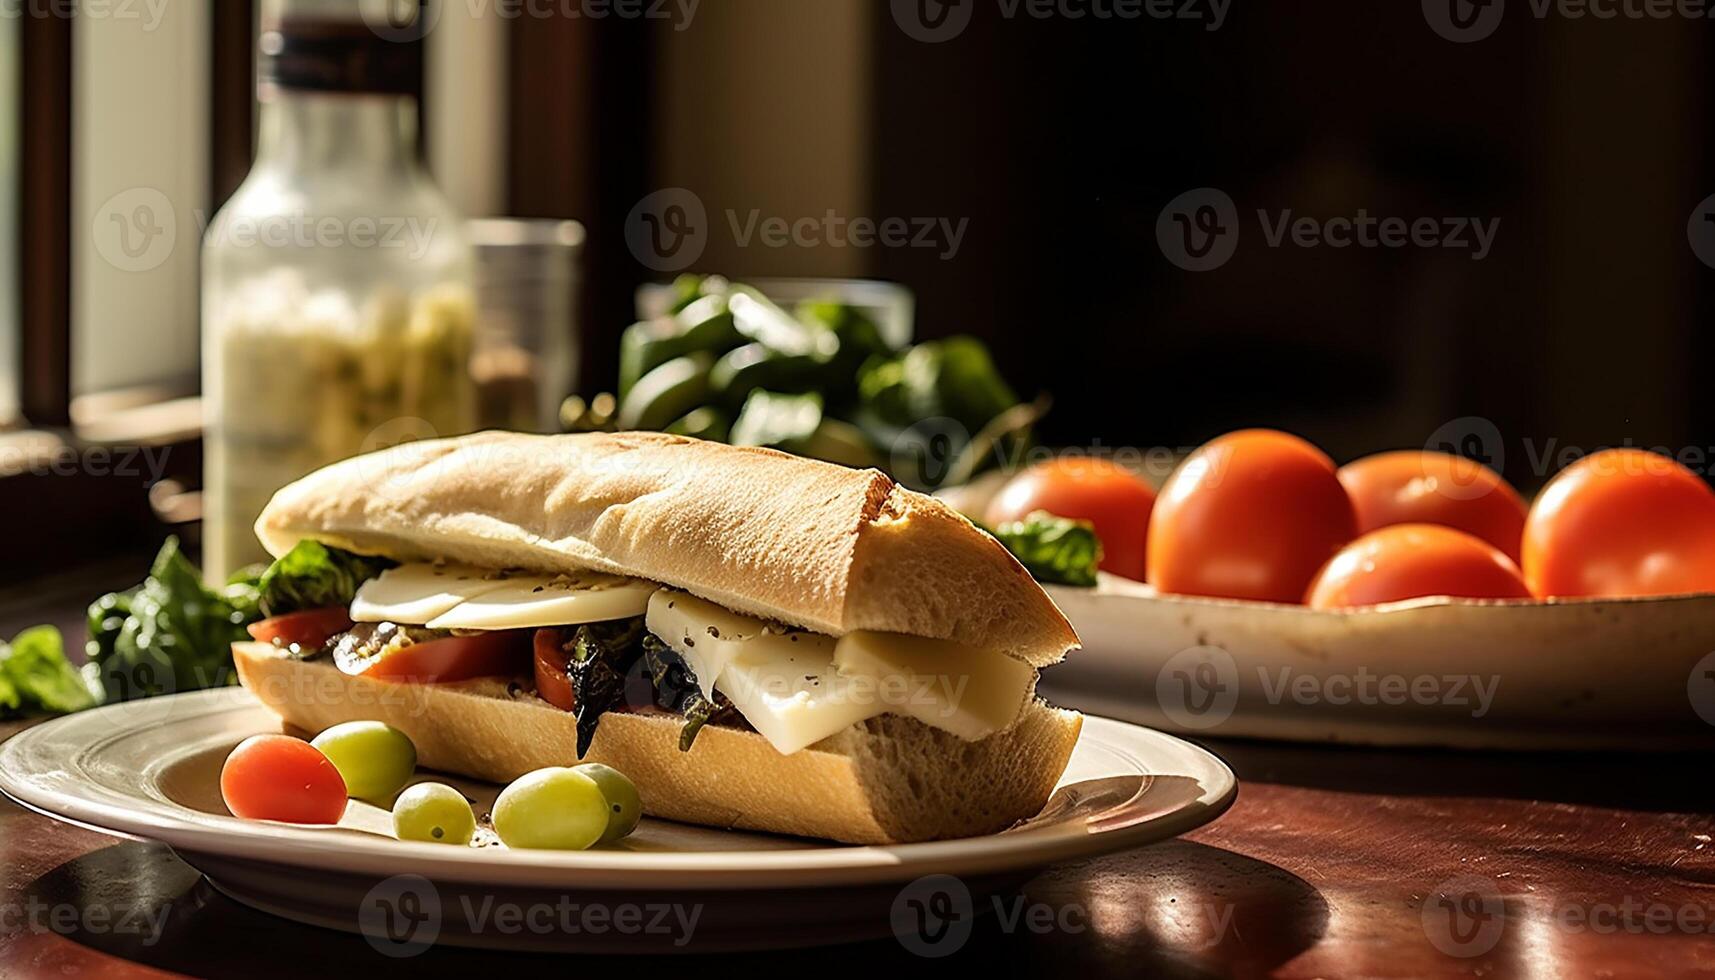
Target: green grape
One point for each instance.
(551, 809)
(373, 758)
(433, 812)
(624, 806)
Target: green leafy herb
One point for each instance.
(36, 669)
(1053, 549)
(776, 420)
(10, 701)
(929, 403)
(314, 576)
(171, 633)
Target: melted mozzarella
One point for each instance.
(706, 635)
(562, 600)
(415, 594)
(797, 688)
(970, 692)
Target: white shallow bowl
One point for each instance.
(150, 770)
(1587, 673)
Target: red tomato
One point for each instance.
(1405, 561)
(1416, 487)
(1251, 515)
(501, 653)
(277, 777)
(309, 628)
(552, 684)
(1621, 522)
(1110, 497)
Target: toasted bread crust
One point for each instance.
(813, 544)
(888, 780)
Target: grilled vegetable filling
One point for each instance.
(619, 666)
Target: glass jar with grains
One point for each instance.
(337, 310)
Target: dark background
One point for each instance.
(1060, 141)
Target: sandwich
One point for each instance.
(759, 641)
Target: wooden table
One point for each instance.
(1529, 865)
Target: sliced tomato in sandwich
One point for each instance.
(499, 653)
(552, 682)
(308, 629)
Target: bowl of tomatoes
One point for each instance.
(1405, 598)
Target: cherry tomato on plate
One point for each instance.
(1112, 498)
(552, 684)
(498, 653)
(1406, 561)
(277, 777)
(1621, 522)
(1251, 515)
(308, 629)
(1416, 487)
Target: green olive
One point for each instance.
(624, 806)
(433, 812)
(551, 809)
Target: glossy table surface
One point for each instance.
(1333, 862)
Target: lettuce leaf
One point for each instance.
(36, 667)
(10, 701)
(1053, 549)
(314, 576)
(171, 633)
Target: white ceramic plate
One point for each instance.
(1592, 673)
(136, 770)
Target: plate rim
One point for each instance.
(104, 809)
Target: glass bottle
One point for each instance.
(337, 304)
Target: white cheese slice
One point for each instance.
(797, 688)
(414, 594)
(708, 636)
(787, 687)
(968, 691)
(523, 602)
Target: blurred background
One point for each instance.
(1154, 212)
